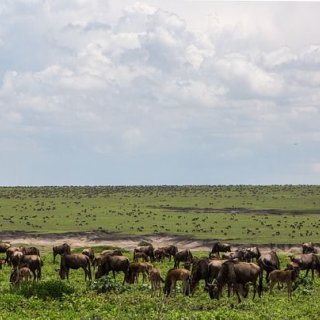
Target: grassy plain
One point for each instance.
(239, 214)
(135, 302)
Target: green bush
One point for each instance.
(54, 289)
(108, 284)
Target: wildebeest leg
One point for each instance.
(254, 290)
(39, 274)
(271, 286)
(34, 275)
(235, 286)
(124, 279)
(114, 274)
(267, 276)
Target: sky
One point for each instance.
(98, 92)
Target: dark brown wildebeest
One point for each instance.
(220, 247)
(239, 275)
(148, 250)
(155, 279)
(175, 275)
(283, 276)
(160, 254)
(141, 255)
(169, 251)
(308, 247)
(74, 261)
(10, 252)
(182, 256)
(135, 268)
(89, 253)
(97, 260)
(34, 263)
(113, 263)
(15, 258)
(251, 253)
(199, 271)
(308, 261)
(30, 251)
(19, 275)
(4, 247)
(269, 262)
(61, 249)
(239, 255)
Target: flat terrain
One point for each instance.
(238, 214)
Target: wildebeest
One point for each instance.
(182, 256)
(283, 276)
(169, 251)
(4, 247)
(269, 262)
(220, 247)
(74, 261)
(10, 252)
(199, 271)
(307, 262)
(175, 275)
(34, 263)
(30, 251)
(135, 268)
(160, 254)
(239, 275)
(148, 250)
(234, 255)
(113, 263)
(308, 247)
(140, 255)
(251, 253)
(15, 258)
(20, 274)
(97, 260)
(155, 279)
(89, 253)
(61, 249)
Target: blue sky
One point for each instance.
(159, 92)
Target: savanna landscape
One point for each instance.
(278, 218)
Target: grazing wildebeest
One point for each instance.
(141, 255)
(30, 251)
(251, 253)
(160, 254)
(199, 271)
(182, 256)
(61, 249)
(175, 275)
(15, 258)
(239, 275)
(97, 260)
(308, 261)
(235, 255)
(169, 251)
(10, 252)
(220, 247)
(4, 247)
(20, 274)
(34, 263)
(113, 263)
(148, 250)
(269, 262)
(74, 261)
(283, 276)
(308, 247)
(155, 279)
(89, 253)
(135, 268)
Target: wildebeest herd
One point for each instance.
(222, 268)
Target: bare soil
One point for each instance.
(129, 242)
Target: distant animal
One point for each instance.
(269, 262)
(218, 247)
(308, 247)
(239, 275)
(10, 252)
(156, 280)
(235, 255)
(89, 253)
(61, 249)
(74, 261)
(182, 256)
(175, 275)
(30, 251)
(19, 275)
(169, 251)
(141, 255)
(148, 250)
(135, 268)
(97, 260)
(160, 254)
(251, 253)
(4, 247)
(114, 264)
(307, 262)
(283, 276)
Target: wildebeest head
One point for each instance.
(213, 291)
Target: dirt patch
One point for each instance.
(129, 242)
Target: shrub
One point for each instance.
(108, 284)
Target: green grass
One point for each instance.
(136, 301)
(239, 214)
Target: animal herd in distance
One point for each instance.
(235, 270)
